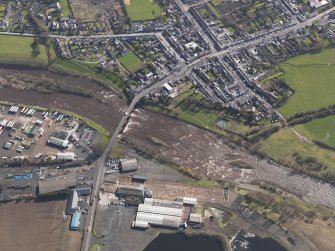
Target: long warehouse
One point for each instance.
(160, 210)
(158, 220)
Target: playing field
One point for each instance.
(312, 76)
(18, 50)
(320, 129)
(131, 62)
(142, 9)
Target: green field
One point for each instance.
(113, 81)
(181, 108)
(131, 62)
(284, 144)
(322, 130)
(143, 10)
(314, 85)
(66, 9)
(18, 50)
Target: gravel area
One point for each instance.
(209, 155)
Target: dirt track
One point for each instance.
(208, 155)
(36, 227)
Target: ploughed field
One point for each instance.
(207, 154)
(36, 226)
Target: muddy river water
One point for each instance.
(107, 113)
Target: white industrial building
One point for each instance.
(164, 213)
(58, 142)
(72, 202)
(163, 203)
(160, 210)
(158, 220)
(65, 156)
(188, 200)
(168, 88)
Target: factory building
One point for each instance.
(75, 221)
(139, 178)
(160, 210)
(124, 191)
(84, 191)
(128, 165)
(59, 139)
(163, 203)
(163, 213)
(72, 202)
(56, 184)
(195, 218)
(188, 200)
(133, 195)
(158, 220)
(65, 156)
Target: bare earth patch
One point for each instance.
(318, 234)
(209, 155)
(39, 226)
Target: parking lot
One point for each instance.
(16, 183)
(25, 133)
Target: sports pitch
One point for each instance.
(142, 9)
(131, 62)
(312, 76)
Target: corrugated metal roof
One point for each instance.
(196, 218)
(160, 210)
(72, 203)
(141, 224)
(56, 184)
(188, 200)
(75, 221)
(83, 191)
(129, 191)
(129, 165)
(159, 220)
(139, 177)
(163, 203)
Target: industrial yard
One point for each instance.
(29, 133)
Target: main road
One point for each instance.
(100, 166)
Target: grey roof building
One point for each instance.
(72, 202)
(56, 184)
(128, 165)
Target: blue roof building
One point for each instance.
(75, 221)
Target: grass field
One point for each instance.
(90, 70)
(66, 9)
(18, 50)
(131, 62)
(314, 85)
(204, 118)
(143, 10)
(283, 144)
(320, 129)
